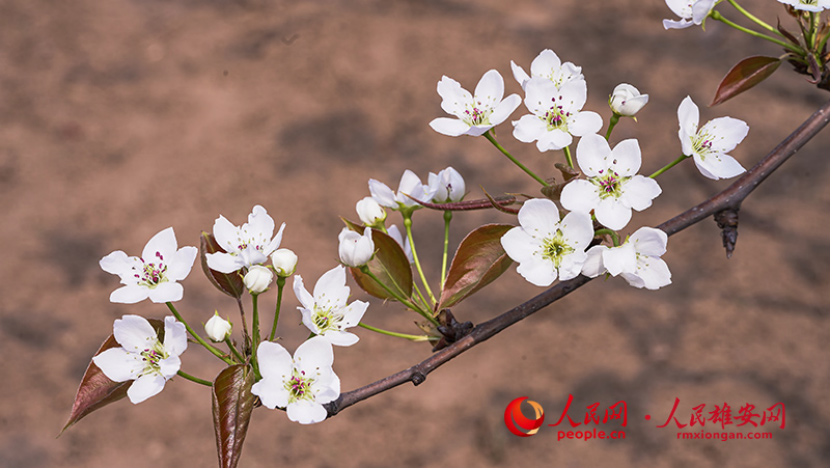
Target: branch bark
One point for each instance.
(729, 199)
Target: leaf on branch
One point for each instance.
(232, 404)
(748, 73)
(389, 265)
(479, 260)
(96, 390)
(229, 284)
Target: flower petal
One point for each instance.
(275, 362)
(571, 265)
(519, 74)
(585, 123)
(166, 292)
(639, 191)
(620, 259)
(382, 194)
(340, 338)
(118, 364)
(653, 272)
(454, 97)
(688, 114)
(529, 128)
(613, 214)
(331, 290)
(448, 126)
(594, 263)
(727, 133)
(176, 336)
(145, 387)
(305, 412)
(579, 196)
(272, 392)
(539, 217)
(163, 243)
(312, 354)
(538, 271)
(226, 235)
(519, 245)
(572, 97)
(118, 263)
(129, 294)
(134, 333)
(716, 166)
(593, 154)
(554, 140)
(503, 110)
(626, 158)
(490, 89)
(649, 241)
(353, 313)
(546, 64)
(577, 228)
(181, 263)
(303, 296)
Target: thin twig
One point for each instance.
(730, 197)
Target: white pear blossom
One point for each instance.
(547, 65)
(447, 186)
(355, 249)
(546, 247)
(155, 274)
(258, 279)
(690, 12)
(370, 212)
(217, 328)
(284, 261)
(556, 114)
(638, 260)
(807, 5)
(402, 240)
(247, 245)
(626, 100)
(612, 188)
(301, 384)
(325, 312)
(142, 358)
(710, 144)
(475, 114)
(410, 185)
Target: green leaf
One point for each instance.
(232, 403)
(229, 284)
(746, 74)
(389, 265)
(96, 390)
(479, 260)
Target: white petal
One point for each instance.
(226, 235)
(540, 93)
(275, 362)
(529, 128)
(519, 245)
(649, 241)
(271, 392)
(519, 74)
(340, 338)
(579, 196)
(727, 133)
(306, 319)
(145, 387)
(118, 364)
(134, 333)
(613, 214)
(577, 228)
(538, 271)
(571, 265)
(163, 243)
(303, 295)
(117, 263)
(538, 217)
(353, 313)
(554, 140)
(626, 158)
(639, 191)
(572, 96)
(489, 90)
(382, 194)
(592, 154)
(176, 336)
(676, 24)
(169, 367)
(129, 294)
(701, 8)
(181, 263)
(654, 273)
(166, 292)
(312, 354)
(331, 290)
(260, 225)
(275, 243)
(585, 123)
(503, 110)
(688, 114)
(594, 263)
(546, 64)
(454, 97)
(682, 8)
(305, 412)
(224, 262)
(448, 126)
(718, 166)
(620, 259)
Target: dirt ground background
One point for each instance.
(121, 118)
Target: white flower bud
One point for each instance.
(285, 261)
(258, 279)
(626, 100)
(354, 249)
(447, 186)
(370, 212)
(217, 328)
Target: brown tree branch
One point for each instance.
(729, 199)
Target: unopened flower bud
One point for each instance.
(370, 212)
(258, 279)
(285, 261)
(217, 328)
(447, 186)
(354, 249)
(626, 100)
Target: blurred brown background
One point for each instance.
(121, 118)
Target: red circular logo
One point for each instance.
(516, 421)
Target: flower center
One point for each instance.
(153, 273)
(608, 184)
(555, 117)
(702, 145)
(151, 358)
(476, 116)
(299, 387)
(555, 248)
(326, 320)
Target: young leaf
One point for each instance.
(232, 403)
(96, 390)
(478, 261)
(230, 284)
(389, 265)
(746, 74)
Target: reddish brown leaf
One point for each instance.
(389, 265)
(479, 260)
(746, 74)
(96, 390)
(229, 284)
(232, 403)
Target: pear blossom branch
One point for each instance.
(728, 199)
